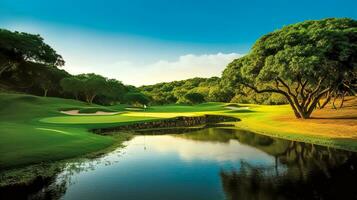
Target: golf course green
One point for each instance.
(34, 130)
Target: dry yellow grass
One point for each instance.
(336, 123)
(328, 126)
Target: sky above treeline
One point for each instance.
(150, 41)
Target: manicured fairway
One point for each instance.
(24, 140)
(33, 130)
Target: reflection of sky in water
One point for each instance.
(163, 167)
(191, 150)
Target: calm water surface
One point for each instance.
(212, 164)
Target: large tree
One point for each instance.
(303, 62)
(17, 47)
(48, 78)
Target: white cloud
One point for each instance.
(186, 66)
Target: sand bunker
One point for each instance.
(76, 112)
(237, 108)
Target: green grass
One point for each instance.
(212, 106)
(32, 130)
(264, 119)
(25, 140)
(47, 170)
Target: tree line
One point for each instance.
(28, 64)
(306, 65)
(199, 90)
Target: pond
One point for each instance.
(214, 163)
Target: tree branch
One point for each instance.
(294, 97)
(313, 104)
(293, 106)
(312, 93)
(4, 68)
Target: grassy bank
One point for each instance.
(34, 131)
(25, 140)
(328, 127)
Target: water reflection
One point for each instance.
(312, 172)
(333, 182)
(193, 150)
(208, 164)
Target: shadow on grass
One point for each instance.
(241, 111)
(337, 118)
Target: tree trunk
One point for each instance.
(87, 99)
(328, 99)
(333, 102)
(4, 68)
(45, 92)
(342, 100)
(301, 108)
(90, 98)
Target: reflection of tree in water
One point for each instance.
(247, 183)
(311, 172)
(301, 170)
(36, 186)
(55, 186)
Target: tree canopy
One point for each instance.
(93, 86)
(175, 91)
(89, 85)
(17, 47)
(194, 97)
(136, 98)
(303, 62)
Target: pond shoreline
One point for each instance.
(178, 125)
(264, 148)
(204, 121)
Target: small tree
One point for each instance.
(92, 85)
(72, 85)
(194, 97)
(115, 90)
(220, 94)
(137, 98)
(47, 78)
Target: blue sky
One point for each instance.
(143, 42)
